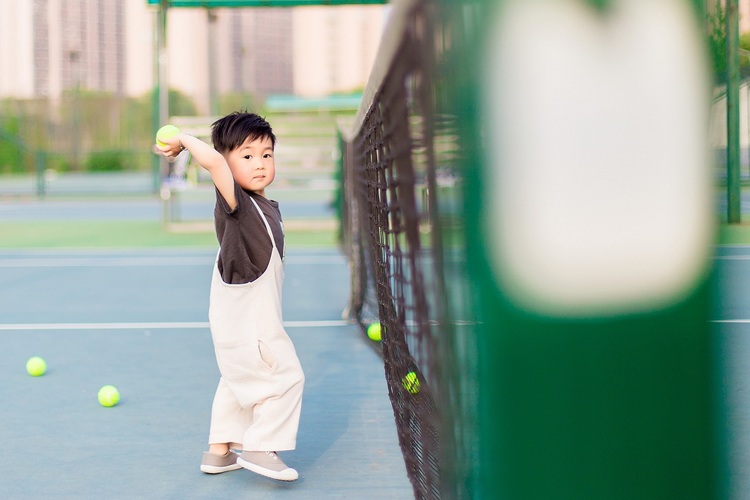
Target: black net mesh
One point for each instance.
(392, 239)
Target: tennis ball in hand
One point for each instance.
(411, 382)
(374, 332)
(36, 366)
(108, 396)
(166, 132)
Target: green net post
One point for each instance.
(610, 396)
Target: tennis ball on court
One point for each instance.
(108, 396)
(411, 382)
(374, 332)
(166, 132)
(36, 366)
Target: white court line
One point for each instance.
(731, 321)
(106, 262)
(154, 326)
(160, 261)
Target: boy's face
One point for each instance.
(252, 164)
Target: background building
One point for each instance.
(334, 47)
(49, 46)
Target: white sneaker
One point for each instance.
(216, 464)
(267, 463)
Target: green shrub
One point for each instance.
(11, 158)
(106, 161)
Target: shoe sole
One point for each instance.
(279, 476)
(216, 469)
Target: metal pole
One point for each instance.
(75, 64)
(155, 162)
(40, 159)
(746, 53)
(163, 79)
(213, 101)
(160, 103)
(733, 114)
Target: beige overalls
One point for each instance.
(258, 401)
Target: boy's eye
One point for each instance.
(267, 155)
(247, 157)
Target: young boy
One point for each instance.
(257, 404)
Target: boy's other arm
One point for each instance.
(208, 158)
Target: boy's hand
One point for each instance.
(172, 146)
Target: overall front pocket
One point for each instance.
(239, 359)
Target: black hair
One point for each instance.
(231, 131)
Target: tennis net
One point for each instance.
(395, 161)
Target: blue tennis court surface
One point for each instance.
(733, 328)
(138, 320)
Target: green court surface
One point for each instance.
(135, 234)
(124, 302)
(138, 220)
(734, 234)
(97, 234)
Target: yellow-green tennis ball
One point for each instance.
(411, 382)
(36, 366)
(166, 132)
(374, 332)
(108, 396)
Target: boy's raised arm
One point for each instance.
(208, 158)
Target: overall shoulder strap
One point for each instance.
(265, 221)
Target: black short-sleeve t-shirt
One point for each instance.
(245, 248)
